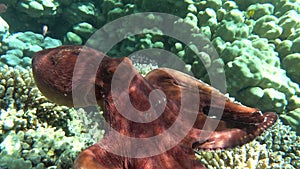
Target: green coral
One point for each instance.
(267, 27)
(230, 31)
(292, 118)
(18, 49)
(289, 21)
(177, 8)
(291, 63)
(40, 8)
(72, 38)
(258, 66)
(284, 48)
(258, 42)
(84, 29)
(79, 12)
(259, 10)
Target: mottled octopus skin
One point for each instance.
(53, 73)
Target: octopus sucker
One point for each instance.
(53, 71)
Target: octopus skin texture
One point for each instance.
(53, 71)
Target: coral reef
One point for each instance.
(36, 133)
(39, 148)
(18, 92)
(19, 48)
(54, 13)
(257, 40)
(258, 44)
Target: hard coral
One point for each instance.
(267, 27)
(18, 91)
(33, 131)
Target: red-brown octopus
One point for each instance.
(53, 71)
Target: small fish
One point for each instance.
(45, 30)
(250, 13)
(3, 8)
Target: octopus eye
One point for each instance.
(106, 75)
(174, 82)
(205, 110)
(55, 59)
(170, 80)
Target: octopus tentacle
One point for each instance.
(232, 137)
(168, 79)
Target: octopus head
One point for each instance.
(66, 71)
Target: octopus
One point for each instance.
(55, 76)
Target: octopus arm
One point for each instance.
(237, 124)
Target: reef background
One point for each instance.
(259, 47)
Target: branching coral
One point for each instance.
(28, 143)
(250, 156)
(18, 92)
(35, 132)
